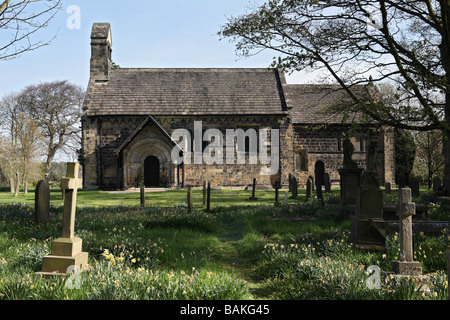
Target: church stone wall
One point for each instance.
(102, 136)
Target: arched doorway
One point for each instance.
(151, 171)
(319, 172)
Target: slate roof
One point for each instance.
(156, 92)
(308, 102)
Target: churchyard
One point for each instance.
(246, 246)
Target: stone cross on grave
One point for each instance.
(70, 183)
(66, 251)
(406, 209)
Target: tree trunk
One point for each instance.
(446, 147)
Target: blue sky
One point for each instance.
(145, 33)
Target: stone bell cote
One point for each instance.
(101, 49)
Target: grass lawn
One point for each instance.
(235, 251)
(168, 198)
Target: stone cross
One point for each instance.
(66, 254)
(70, 183)
(42, 202)
(406, 209)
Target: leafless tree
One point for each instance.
(55, 107)
(20, 21)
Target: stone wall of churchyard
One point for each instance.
(104, 135)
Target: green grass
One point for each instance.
(235, 251)
(168, 198)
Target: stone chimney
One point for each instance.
(101, 48)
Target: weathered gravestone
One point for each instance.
(368, 225)
(277, 193)
(327, 182)
(142, 195)
(208, 196)
(350, 176)
(42, 202)
(406, 209)
(415, 187)
(387, 187)
(253, 190)
(309, 189)
(436, 184)
(294, 188)
(204, 193)
(189, 200)
(66, 251)
(319, 193)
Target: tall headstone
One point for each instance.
(415, 187)
(405, 210)
(253, 190)
(189, 200)
(142, 193)
(294, 188)
(309, 189)
(387, 188)
(368, 225)
(327, 182)
(66, 251)
(42, 202)
(436, 184)
(208, 196)
(204, 193)
(319, 193)
(350, 176)
(277, 193)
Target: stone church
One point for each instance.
(131, 113)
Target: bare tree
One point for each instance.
(20, 21)
(429, 160)
(55, 108)
(21, 141)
